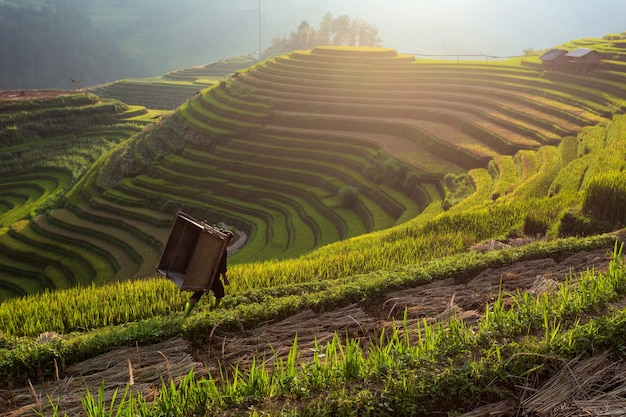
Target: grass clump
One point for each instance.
(458, 187)
(605, 199)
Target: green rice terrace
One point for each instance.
(411, 237)
(173, 89)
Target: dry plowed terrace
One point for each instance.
(148, 366)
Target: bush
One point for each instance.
(605, 199)
(347, 196)
(385, 170)
(573, 223)
(535, 224)
(457, 188)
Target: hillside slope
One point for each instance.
(318, 146)
(332, 160)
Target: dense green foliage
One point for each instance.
(605, 199)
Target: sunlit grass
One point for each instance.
(398, 366)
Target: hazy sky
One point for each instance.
(215, 29)
(504, 26)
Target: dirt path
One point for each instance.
(146, 366)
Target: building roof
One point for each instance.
(580, 52)
(552, 54)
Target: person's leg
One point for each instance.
(192, 302)
(218, 291)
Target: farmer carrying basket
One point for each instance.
(195, 258)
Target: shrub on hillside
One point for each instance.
(535, 225)
(457, 188)
(574, 223)
(605, 199)
(347, 196)
(385, 170)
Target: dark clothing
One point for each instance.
(217, 287)
(223, 267)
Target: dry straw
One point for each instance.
(582, 388)
(153, 365)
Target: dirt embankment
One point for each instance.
(147, 366)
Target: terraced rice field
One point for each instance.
(431, 118)
(44, 247)
(297, 152)
(171, 90)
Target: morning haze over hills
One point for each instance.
(414, 235)
(442, 27)
(105, 41)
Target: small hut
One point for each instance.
(583, 59)
(554, 59)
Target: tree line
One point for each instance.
(341, 30)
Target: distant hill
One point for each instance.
(220, 29)
(48, 44)
(164, 36)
